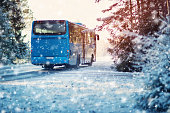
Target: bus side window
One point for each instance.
(76, 34)
(72, 33)
(83, 36)
(71, 37)
(92, 37)
(89, 38)
(79, 36)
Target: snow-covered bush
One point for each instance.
(156, 98)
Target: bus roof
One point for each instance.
(61, 20)
(49, 20)
(79, 23)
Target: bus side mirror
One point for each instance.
(97, 37)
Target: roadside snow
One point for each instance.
(95, 89)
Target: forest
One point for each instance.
(140, 39)
(139, 36)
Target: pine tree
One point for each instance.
(145, 43)
(6, 34)
(157, 95)
(119, 24)
(131, 17)
(18, 13)
(156, 98)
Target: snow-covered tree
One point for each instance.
(19, 15)
(140, 35)
(156, 98)
(116, 24)
(6, 34)
(135, 16)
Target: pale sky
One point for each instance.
(84, 11)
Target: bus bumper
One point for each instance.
(49, 60)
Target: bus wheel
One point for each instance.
(48, 66)
(76, 65)
(78, 61)
(91, 61)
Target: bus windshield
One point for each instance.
(49, 27)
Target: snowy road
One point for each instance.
(95, 89)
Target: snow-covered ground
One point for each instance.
(95, 89)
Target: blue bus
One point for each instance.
(61, 42)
